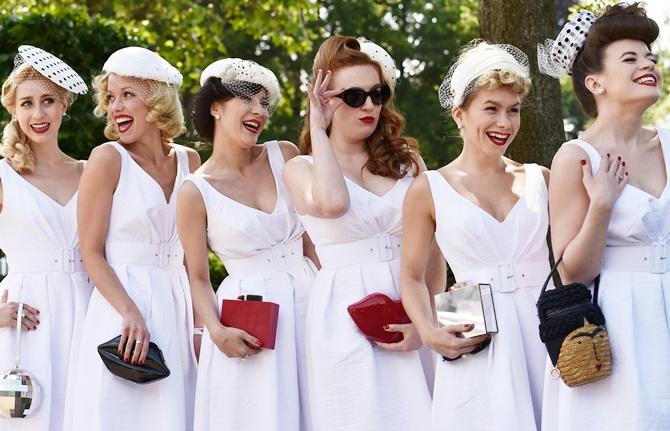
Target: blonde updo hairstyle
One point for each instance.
(162, 100)
(15, 145)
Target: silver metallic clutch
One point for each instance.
(467, 302)
(19, 391)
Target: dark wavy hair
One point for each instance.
(620, 21)
(391, 154)
(214, 91)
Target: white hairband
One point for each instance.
(480, 59)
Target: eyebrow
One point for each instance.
(41, 96)
(648, 54)
(500, 104)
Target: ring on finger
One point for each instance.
(620, 178)
(138, 341)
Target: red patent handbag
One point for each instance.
(374, 312)
(258, 318)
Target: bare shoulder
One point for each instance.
(568, 156)
(419, 188)
(104, 153)
(189, 193)
(288, 150)
(420, 162)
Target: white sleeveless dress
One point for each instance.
(499, 388)
(39, 238)
(144, 251)
(355, 385)
(634, 296)
(263, 255)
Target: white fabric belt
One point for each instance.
(652, 258)
(380, 248)
(163, 255)
(510, 277)
(67, 261)
(281, 257)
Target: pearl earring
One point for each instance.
(601, 91)
(217, 116)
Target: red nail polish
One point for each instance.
(618, 158)
(626, 173)
(386, 327)
(583, 162)
(608, 154)
(623, 163)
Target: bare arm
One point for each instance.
(580, 206)
(94, 205)
(192, 226)
(319, 190)
(417, 248)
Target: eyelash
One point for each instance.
(48, 101)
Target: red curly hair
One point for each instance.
(391, 154)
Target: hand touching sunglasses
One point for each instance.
(356, 97)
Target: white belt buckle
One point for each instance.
(658, 257)
(384, 247)
(67, 261)
(506, 281)
(164, 255)
(278, 256)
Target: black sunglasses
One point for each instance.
(356, 97)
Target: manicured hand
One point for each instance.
(135, 338)
(235, 343)
(9, 314)
(605, 187)
(410, 338)
(322, 102)
(449, 340)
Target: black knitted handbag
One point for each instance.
(572, 327)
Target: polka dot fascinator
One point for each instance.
(381, 56)
(137, 62)
(52, 68)
(241, 77)
(555, 57)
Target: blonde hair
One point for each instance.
(162, 100)
(15, 146)
(499, 78)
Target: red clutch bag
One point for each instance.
(374, 312)
(257, 317)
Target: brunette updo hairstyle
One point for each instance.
(212, 91)
(391, 154)
(620, 21)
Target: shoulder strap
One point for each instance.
(275, 157)
(182, 158)
(596, 281)
(590, 151)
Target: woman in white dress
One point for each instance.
(349, 193)
(130, 246)
(489, 216)
(610, 215)
(237, 204)
(38, 232)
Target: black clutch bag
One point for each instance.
(153, 369)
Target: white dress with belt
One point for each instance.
(500, 387)
(263, 255)
(39, 238)
(144, 251)
(355, 385)
(634, 296)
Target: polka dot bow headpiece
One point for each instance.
(555, 57)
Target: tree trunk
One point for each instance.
(524, 24)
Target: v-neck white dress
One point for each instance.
(263, 255)
(634, 296)
(499, 388)
(353, 384)
(144, 251)
(39, 238)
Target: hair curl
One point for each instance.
(15, 145)
(620, 21)
(162, 100)
(391, 154)
(498, 79)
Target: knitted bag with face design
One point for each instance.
(572, 327)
